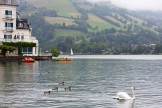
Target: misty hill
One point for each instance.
(91, 28)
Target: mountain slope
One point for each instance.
(104, 24)
(63, 7)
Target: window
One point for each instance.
(22, 37)
(18, 36)
(20, 25)
(27, 50)
(8, 12)
(8, 1)
(9, 25)
(7, 36)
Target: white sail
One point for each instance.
(71, 52)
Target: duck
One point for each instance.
(62, 83)
(47, 92)
(55, 88)
(68, 88)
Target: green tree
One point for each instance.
(158, 48)
(55, 52)
(4, 49)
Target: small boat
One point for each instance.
(63, 59)
(28, 59)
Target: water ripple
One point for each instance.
(94, 82)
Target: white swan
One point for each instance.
(124, 95)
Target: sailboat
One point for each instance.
(71, 52)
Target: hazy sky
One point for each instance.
(138, 4)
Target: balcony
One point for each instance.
(8, 29)
(8, 17)
(18, 40)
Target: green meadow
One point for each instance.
(119, 16)
(86, 7)
(63, 7)
(114, 20)
(140, 21)
(95, 21)
(59, 20)
(65, 33)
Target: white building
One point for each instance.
(14, 29)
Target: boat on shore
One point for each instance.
(28, 59)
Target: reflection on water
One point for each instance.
(94, 82)
(11, 71)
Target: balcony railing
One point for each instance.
(8, 29)
(8, 17)
(18, 40)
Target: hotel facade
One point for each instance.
(15, 29)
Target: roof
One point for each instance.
(22, 24)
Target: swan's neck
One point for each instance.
(133, 93)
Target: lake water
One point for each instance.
(94, 81)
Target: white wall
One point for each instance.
(25, 32)
(2, 20)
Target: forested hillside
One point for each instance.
(90, 28)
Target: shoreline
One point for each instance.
(19, 58)
(121, 57)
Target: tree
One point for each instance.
(55, 52)
(158, 48)
(4, 49)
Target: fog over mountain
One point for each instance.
(136, 4)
